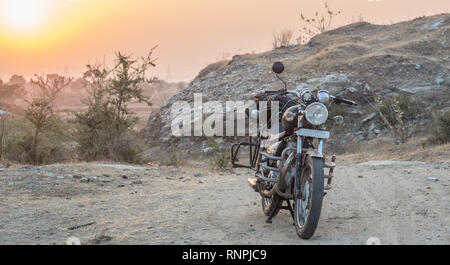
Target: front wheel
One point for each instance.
(309, 205)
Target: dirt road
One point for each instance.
(111, 204)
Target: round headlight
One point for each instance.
(316, 113)
(323, 96)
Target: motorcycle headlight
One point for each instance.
(323, 96)
(316, 113)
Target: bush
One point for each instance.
(127, 148)
(105, 130)
(172, 158)
(440, 131)
(409, 105)
(54, 146)
(38, 140)
(282, 39)
(221, 157)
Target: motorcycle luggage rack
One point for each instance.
(253, 154)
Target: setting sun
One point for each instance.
(23, 14)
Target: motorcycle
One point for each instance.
(292, 168)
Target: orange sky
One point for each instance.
(58, 36)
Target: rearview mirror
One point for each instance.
(278, 67)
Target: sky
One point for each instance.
(62, 36)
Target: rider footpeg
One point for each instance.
(253, 183)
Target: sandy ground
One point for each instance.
(109, 204)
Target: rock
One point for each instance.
(372, 133)
(369, 118)
(432, 179)
(100, 239)
(360, 135)
(77, 176)
(198, 175)
(351, 89)
(341, 67)
(124, 176)
(137, 182)
(360, 176)
(121, 185)
(207, 150)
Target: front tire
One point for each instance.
(307, 208)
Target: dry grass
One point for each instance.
(384, 148)
(282, 39)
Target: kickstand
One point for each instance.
(291, 210)
(269, 220)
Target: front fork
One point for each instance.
(298, 169)
(298, 165)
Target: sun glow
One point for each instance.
(22, 14)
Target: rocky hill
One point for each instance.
(357, 61)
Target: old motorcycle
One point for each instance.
(292, 168)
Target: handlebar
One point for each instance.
(281, 91)
(337, 99)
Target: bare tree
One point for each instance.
(282, 39)
(40, 111)
(316, 24)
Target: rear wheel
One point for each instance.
(271, 206)
(307, 208)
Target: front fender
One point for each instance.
(311, 153)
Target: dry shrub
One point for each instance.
(127, 148)
(54, 146)
(172, 157)
(221, 157)
(317, 24)
(282, 39)
(440, 132)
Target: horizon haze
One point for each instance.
(62, 36)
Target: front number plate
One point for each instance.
(314, 133)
